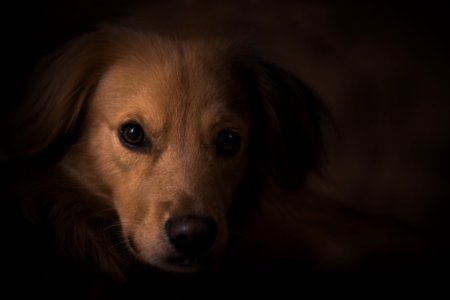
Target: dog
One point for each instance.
(138, 148)
(120, 194)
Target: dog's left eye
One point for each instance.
(132, 135)
(228, 142)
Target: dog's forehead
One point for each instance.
(169, 80)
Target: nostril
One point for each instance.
(191, 235)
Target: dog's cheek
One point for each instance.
(234, 171)
(220, 245)
(120, 170)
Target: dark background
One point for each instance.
(382, 69)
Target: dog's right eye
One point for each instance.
(132, 136)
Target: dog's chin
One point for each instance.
(179, 264)
(176, 263)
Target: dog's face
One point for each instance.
(168, 131)
(169, 139)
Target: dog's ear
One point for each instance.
(54, 99)
(288, 117)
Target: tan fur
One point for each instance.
(182, 108)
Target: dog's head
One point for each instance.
(171, 130)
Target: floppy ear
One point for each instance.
(55, 97)
(287, 121)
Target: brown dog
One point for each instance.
(143, 144)
(138, 148)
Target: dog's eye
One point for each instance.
(228, 142)
(132, 136)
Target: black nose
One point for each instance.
(191, 235)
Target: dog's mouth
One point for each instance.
(183, 264)
(177, 262)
